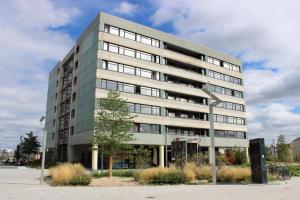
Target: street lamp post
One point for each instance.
(211, 104)
(43, 149)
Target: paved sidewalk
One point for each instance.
(23, 183)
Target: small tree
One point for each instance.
(142, 157)
(30, 145)
(17, 153)
(282, 148)
(267, 153)
(240, 158)
(112, 124)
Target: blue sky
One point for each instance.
(34, 35)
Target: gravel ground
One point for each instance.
(23, 183)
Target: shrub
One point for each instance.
(80, 180)
(63, 173)
(204, 172)
(161, 176)
(233, 174)
(190, 172)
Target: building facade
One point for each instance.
(161, 77)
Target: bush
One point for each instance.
(161, 176)
(80, 180)
(233, 174)
(63, 173)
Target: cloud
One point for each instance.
(31, 43)
(255, 31)
(126, 8)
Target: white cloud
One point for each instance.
(126, 8)
(31, 42)
(256, 31)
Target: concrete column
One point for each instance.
(95, 158)
(161, 156)
(70, 153)
(247, 153)
(209, 155)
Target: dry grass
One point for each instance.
(203, 172)
(159, 175)
(234, 174)
(63, 173)
(190, 172)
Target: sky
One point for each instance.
(263, 34)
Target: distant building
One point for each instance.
(295, 146)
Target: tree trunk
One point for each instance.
(110, 166)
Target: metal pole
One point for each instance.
(44, 154)
(212, 140)
(186, 154)
(101, 161)
(166, 148)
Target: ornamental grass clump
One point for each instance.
(233, 174)
(63, 173)
(160, 176)
(190, 172)
(204, 172)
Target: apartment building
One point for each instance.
(160, 76)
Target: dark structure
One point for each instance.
(258, 163)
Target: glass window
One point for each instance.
(146, 40)
(229, 105)
(145, 128)
(112, 66)
(138, 37)
(146, 56)
(105, 46)
(155, 128)
(120, 87)
(230, 120)
(146, 91)
(128, 70)
(121, 68)
(128, 88)
(228, 91)
(227, 78)
(137, 108)
(129, 52)
(114, 30)
(210, 60)
(226, 65)
(216, 62)
(121, 50)
(113, 48)
(155, 110)
(103, 84)
(171, 114)
(130, 107)
(104, 63)
(155, 43)
(237, 94)
(129, 35)
(145, 109)
(122, 33)
(155, 92)
(106, 28)
(111, 85)
(146, 73)
(239, 107)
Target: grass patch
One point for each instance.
(233, 174)
(294, 170)
(118, 173)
